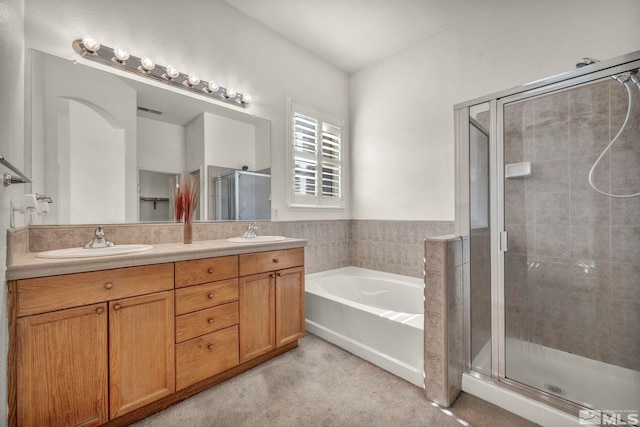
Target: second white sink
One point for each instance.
(90, 253)
(257, 239)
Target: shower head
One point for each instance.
(623, 78)
(583, 62)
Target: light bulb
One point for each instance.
(147, 64)
(246, 98)
(120, 54)
(192, 80)
(230, 92)
(212, 86)
(90, 43)
(172, 72)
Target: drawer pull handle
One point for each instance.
(108, 285)
(99, 310)
(210, 346)
(275, 260)
(211, 321)
(210, 295)
(210, 270)
(117, 307)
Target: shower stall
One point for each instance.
(548, 205)
(240, 195)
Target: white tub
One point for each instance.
(376, 316)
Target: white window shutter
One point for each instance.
(315, 161)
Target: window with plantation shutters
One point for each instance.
(315, 160)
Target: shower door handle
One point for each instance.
(503, 241)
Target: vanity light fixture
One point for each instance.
(212, 87)
(146, 64)
(89, 48)
(120, 55)
(90, 44)
(192, 80)
(171, 72)
(230, 93)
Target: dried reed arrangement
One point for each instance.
(186, 194)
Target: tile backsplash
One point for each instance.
(390, 246)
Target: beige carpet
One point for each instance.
(319, 384)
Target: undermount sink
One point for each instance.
(257, 239)
(96, 252)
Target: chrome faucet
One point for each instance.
(98, 241)
(251, 231)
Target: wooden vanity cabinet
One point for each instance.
(62, 367)
(206, 319)
(271, 296)
(141, 351)
(113, 346)
(73, 364)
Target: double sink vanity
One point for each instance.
(110, 340)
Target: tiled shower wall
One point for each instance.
(390, 246)
(574, 258)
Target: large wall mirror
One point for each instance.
(107, 149)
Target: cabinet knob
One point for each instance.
(210, 270)
(275, 260)
(279, 274)
(108, 285)
(117, 307)
(210, 321)
(99, 310)
(272, 275)
(210, 295)
(210, 346)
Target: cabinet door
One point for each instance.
(257, 317)
(141, 351)
(289, 305)
(62, 367)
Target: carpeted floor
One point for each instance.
(319, 384)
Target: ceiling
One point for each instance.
(352, 34)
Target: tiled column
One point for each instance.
(443, 329)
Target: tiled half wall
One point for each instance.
(443, 317)
(389, 246)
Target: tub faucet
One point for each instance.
(98, 241)
(251, 231)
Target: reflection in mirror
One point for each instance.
(107, 148)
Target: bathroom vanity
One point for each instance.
(112, 340)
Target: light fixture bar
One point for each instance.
(88, 48)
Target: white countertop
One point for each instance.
(30, 266)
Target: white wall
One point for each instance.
(61, 81)
(402, 108)
(161, 146)
(96, 165)
(218, 43)
(11, 146)
(229, 143)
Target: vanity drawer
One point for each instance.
(51, 293)
(205, 321)
(206, 356)
(194, 298)
(206, 270)
(261, 262)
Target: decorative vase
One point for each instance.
(188, 233)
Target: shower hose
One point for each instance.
(623, 79)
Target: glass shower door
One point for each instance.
(571, 276)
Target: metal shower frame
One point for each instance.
(496, 103)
